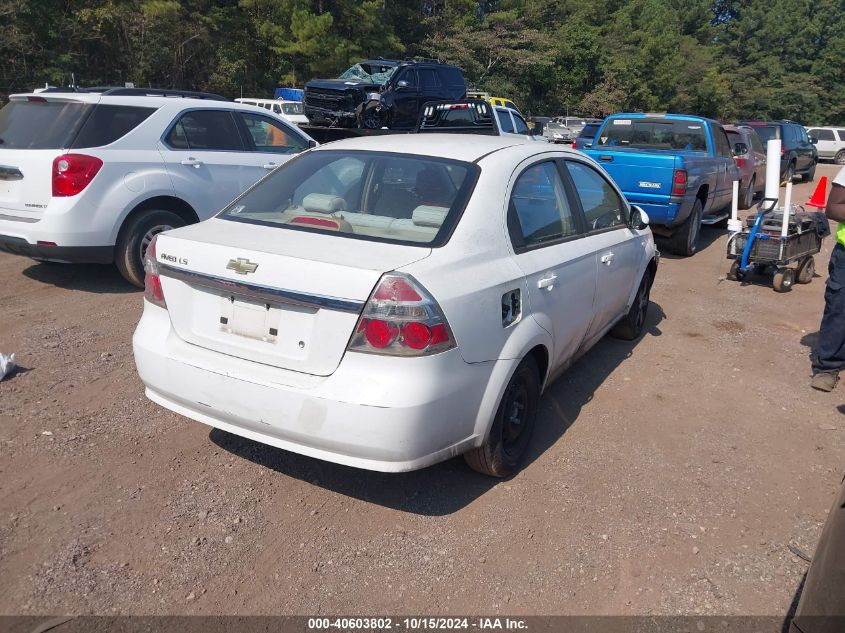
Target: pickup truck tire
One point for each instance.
(747, 198)
(684, 239)
(134, 238)
(630, 327)
(502, 452)
(839, 159)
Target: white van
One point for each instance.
(291, 110)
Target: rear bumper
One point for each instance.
(374, 412)
(69, 254)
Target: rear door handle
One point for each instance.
(192, 162)
(270, 165)
(547, 282)
(607, 259)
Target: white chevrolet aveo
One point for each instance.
(392, 302)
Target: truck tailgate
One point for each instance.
(644, 176)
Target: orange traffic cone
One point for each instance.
(819, 195)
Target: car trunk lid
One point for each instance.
(284, 298)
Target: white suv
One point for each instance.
(94, 176)
(830, 142)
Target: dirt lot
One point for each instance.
(667, 476)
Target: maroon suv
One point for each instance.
(750, 157)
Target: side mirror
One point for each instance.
(814, 140)
(312, 143)
(401, 84)
(740, 149)
(639, 218)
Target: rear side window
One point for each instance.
(41, 124)
(603, 207)
(823, 135)
(107, 123)
(205, 130)
(366, 195)
(654, 134)
(450, 76)
(841, 134)
(505, 121)
(271, 136)
(734, 137)
(539, 211)
(428, 78)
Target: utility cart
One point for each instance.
(762, 245)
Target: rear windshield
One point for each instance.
(654, 134)
(368, 195)
(292, 108)
(65, 125)
(733, 137)
(767, 132)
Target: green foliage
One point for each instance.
(723, 58)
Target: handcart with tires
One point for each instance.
(762, 246)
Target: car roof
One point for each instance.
(154, 101)
(463, 147)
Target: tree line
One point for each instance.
(727, 59)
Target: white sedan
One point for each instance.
(392, 302)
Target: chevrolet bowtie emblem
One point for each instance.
(241, 266)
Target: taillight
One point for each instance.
(740, 162)
(575, 143)
(153, 291)
(782, 149)
(401, 319)
(73, 172)
(679, 182)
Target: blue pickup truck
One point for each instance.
(678, 168)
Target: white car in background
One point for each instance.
(830, 143)
(92, 177)
(375, 304)
(293, 111)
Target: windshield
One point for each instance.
(654, 134)
(369, 195)
(292, 108)
(371, 72)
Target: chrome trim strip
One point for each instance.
(17, 218)
(10, 173)
(257, 292)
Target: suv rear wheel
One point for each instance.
(839, 159)
(135, 237)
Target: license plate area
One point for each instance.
(249, 319)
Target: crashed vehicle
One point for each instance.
(381, 93)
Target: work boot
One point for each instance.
(825, 380)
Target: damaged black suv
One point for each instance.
(381, 93)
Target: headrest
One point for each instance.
(428, 215)
(323, 203)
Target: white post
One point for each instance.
(787, 205)
(772, 169)
(734, 225)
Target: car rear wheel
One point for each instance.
(810, 176)
(839, 159)
(684, 239)
(134, 239)
(502, 452)
(631, 325)
(748, 197)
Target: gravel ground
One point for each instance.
(667, 476)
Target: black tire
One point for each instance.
(372, 117)
(747, 198)
(789, 174)
(684, 239)
(810, 176)
(134, 238)
(630, 327)
(784, 280)
(806, 270)
(510, 434)
(839, 159)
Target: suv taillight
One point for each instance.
(73, 172)
(679, 182)
(401, 319)
(152, 282)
